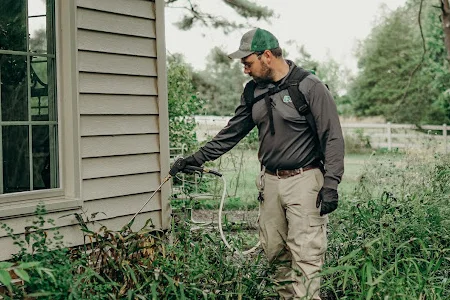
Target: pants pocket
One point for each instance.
(316, 240)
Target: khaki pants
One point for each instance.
(292, 232)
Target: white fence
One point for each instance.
(379, 135)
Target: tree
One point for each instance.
(194, 15)
(221, 83)
(437, 68)
(387, 83)
(329, 71)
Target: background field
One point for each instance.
(241, 166)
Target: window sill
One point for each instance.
(26, 208)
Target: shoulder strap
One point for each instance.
(299, 101)
(249, 93)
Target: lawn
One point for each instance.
(241, 166)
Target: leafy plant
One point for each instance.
(40, 247)
(183, 104)
(389, 238)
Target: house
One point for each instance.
(83, 113)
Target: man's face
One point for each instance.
(255, 67)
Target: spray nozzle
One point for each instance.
(180, 166)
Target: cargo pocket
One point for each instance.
(316, 242)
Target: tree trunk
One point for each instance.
(445, 6)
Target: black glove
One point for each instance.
(328, 198)
(181, 163)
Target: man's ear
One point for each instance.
(268, 56)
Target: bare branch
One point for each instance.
(244, 8)
(419, 17)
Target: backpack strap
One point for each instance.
(249, 93)
(298, 99)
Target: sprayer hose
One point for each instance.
(222, 235)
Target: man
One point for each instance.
(300, 172)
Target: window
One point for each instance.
(28, 104)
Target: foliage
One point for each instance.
(42, 260)
(437, 69)
(390, 238)
(380, 86)
(195, 15)
(396, 79)
(359, 142)
(329, 71)
(184, 103)
(146, 264)
(221, 83)
(21, 270)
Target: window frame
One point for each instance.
(68, 195)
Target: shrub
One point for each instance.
(183, 104)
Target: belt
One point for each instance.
(289, 173)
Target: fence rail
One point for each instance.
(379, 135)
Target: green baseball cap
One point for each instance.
(254, 41)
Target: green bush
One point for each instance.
(183, 104)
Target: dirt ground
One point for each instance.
(233, 216)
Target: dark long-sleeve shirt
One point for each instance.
(293, 144)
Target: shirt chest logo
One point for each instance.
(287, 99)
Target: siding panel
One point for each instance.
(107, 22)
(113, 43)
(117, 84)
(138, 8)
(119, 145)
(123, 206)
(120, 186)
(117, 104)
(118, 125)
(119, 165)
(72, 234)
(116, 64)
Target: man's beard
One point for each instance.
(266, 74)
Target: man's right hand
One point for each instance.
(181, 163)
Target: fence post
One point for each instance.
(444, 134)
(389, 135)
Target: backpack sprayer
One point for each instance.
(178, 167)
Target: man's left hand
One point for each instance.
(327, 200)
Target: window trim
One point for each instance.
(68, 195)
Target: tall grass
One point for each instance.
(147, 264)
(390, 238)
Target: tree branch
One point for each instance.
(244, 8)
(419, 17)
(445, 7)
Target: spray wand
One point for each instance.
(176, 168)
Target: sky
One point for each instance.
(326, 28)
